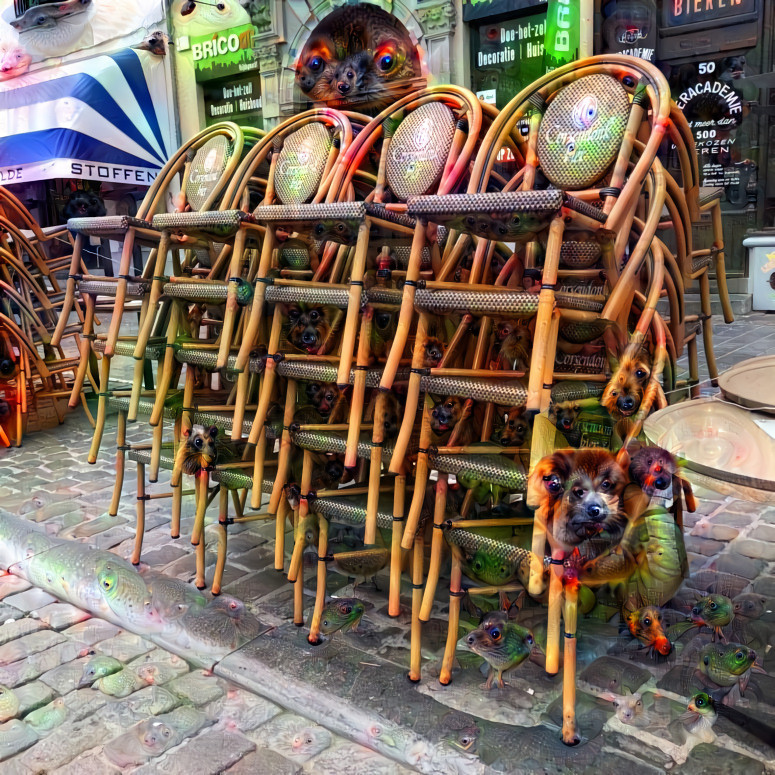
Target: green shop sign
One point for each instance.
(562, 33)
(224, 53)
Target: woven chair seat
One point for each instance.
(166, 461)
(153, 350)
(135, 289)
(500, 392)
(575, 391)
(349, 511)
(210, 292)
(332, 221)
(378, 295)
(516, 303)
(212, 224)
(709, 194)
(495, 469)
(107, 226)
(311, 371)
(335, 443)
(382, 213)
(700, 262)
(144, 406)
(332, 297)
(518, 559)
(579, 255)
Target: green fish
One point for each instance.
(98, 667)
(9, 703)
(714, 611)
(343, 613)
(501, 643)
(127, 595)
(49, 717)
(726, 664)
(120, 684)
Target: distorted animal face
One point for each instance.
(198, 449)
(309, 328)
(564, 415)
(624, 392)
(324, 397)
(515, 343)
(84, 204)
(387, 415)
(353, 75)
(445, 415)
(515, 429)
(434, 352)
(583, 487)
(653, 468)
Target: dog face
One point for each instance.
(653, 469)
(624, 391)
(386, 415)
(434, 352)
(82, 204)
(515, 429)
(445, 415)
(514, 344)
(564, 415)
(309, 328)
(324, 397)
(581, 490)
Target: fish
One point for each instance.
(9, 703)
(503, 644)
(700, 718)
(361, 563)
(726, 664)
(645, 624)
(120, 684)
(342, 613)
(491, 562)
(519, 228)
(49, 717)
(98, 667)
(56, 28)
(704, 706)
(127, 595)
(713, 611)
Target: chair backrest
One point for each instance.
(419, 149)
(302, 162)
(206, 170)
(581, 132)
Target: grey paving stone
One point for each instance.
(92, 631)
(90, 527)
(750, 547)
(702, 545)
(265, 762)
(733, 519)
(717, 532)
(198, 687)
(12, 630)
(745, 507)
(732, 562)
(31, 600)
(164, 555)
(125, 646)
(84, 702)
(89, 763)
(257, 585)
(764, 533)
(765, 585)
(16, 736)
(61, 615)
(11, 585)
(65, 678)
(65, 743)
(210, 753)
(242, 710)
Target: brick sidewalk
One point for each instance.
(48, 481)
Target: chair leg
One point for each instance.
(394, 596)
(415, 659)
(120, 463)
(320, 596)
(707, 328)
(102, 407)
(222, 527)
(569, 729)
(140, 530)
(84, 347)
(721, 273)
(437, 546)
(694, 367)
(455, 593)
(153, 471)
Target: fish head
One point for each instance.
(343, 612)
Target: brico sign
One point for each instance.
(224, 53)
(562, 32)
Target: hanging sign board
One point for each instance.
(237, 100)
(225, 53)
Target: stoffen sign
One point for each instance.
(225, 53)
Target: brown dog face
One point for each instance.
(445, 415)
(564, 415)
(514, 343)
(434, 352)
(309, 328)
(386, 415)
(580, 490)
(624, 391)
(515, 430)
(325, 397)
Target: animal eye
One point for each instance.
(706, 661)
(529, 640)
(495, 633)
(449, 405)
(198, 443)
(293, 314)
(553, 483)
(516, 220)
(640, 373)
(647, 621)
(713, 606)
(348, 609)
(639, 703)
(616, 703)
(385, 62)
(739, 656)
(329, 396)
(314, 315)
(221, 6)
(40, 20)
(383, 320)
(578, 492)
(315, 64)
(606, 485)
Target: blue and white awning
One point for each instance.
(104, 118)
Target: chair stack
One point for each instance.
(390, 323)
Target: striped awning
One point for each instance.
(104, 118)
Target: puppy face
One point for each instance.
(83, 204)
(514, 343)
(198, 449)
(309, 328)
(434, 352)
(386, 415)
(653, 468)
(324, 397)
(580, 490)
(624, 392)
(564, 415)
(515, 429)
(445, 415)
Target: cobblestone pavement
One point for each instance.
(249, 705)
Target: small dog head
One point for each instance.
(564, 415)
(198, 449)
(324, 397)
(309, 328)
(653, 469)
(445, 415)
(515, 429)
(582, 489)
(624, 392)
(82, 204)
